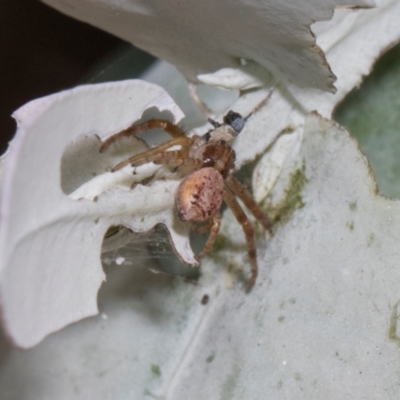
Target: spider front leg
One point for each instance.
(241, 217)
(163, 124)
(157, 154)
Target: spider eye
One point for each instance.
(235, 120)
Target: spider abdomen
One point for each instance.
(200, 194)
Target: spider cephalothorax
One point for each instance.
(207, 161)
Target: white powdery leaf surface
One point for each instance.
(201, 37)
(316, 323)
(315, 326)
(50, 243)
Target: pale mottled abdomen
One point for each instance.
(200, 194)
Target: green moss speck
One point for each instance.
(147, 392)
(281, 212)
(353, 206)
(155, 370)
(298, 377)
(392, 333)
(210, 358)
(350, 225)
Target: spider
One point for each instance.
(207, 161)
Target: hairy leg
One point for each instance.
(244, 195)
(205, 228)
(241, 217)
(154, 153)
(165, 125)
(214, 229)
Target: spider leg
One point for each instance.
(200, 103)
(239, 190)
(154, 153)
(165, 125)
(200, 229)
(172, 158)
(214, 123)
(241, 217)
(214, 229)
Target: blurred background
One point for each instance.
(43, 52)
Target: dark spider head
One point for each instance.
(235, 120)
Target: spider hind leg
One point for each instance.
(248, 231)
(240, 191)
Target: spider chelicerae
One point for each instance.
(207, 161)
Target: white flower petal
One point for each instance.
(201, 37)
(50, 244)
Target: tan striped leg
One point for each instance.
(163, 124)
(154, 153)
(174, 158)
(248, 201)
(200, 229)
(241, 217)
(214, 229)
